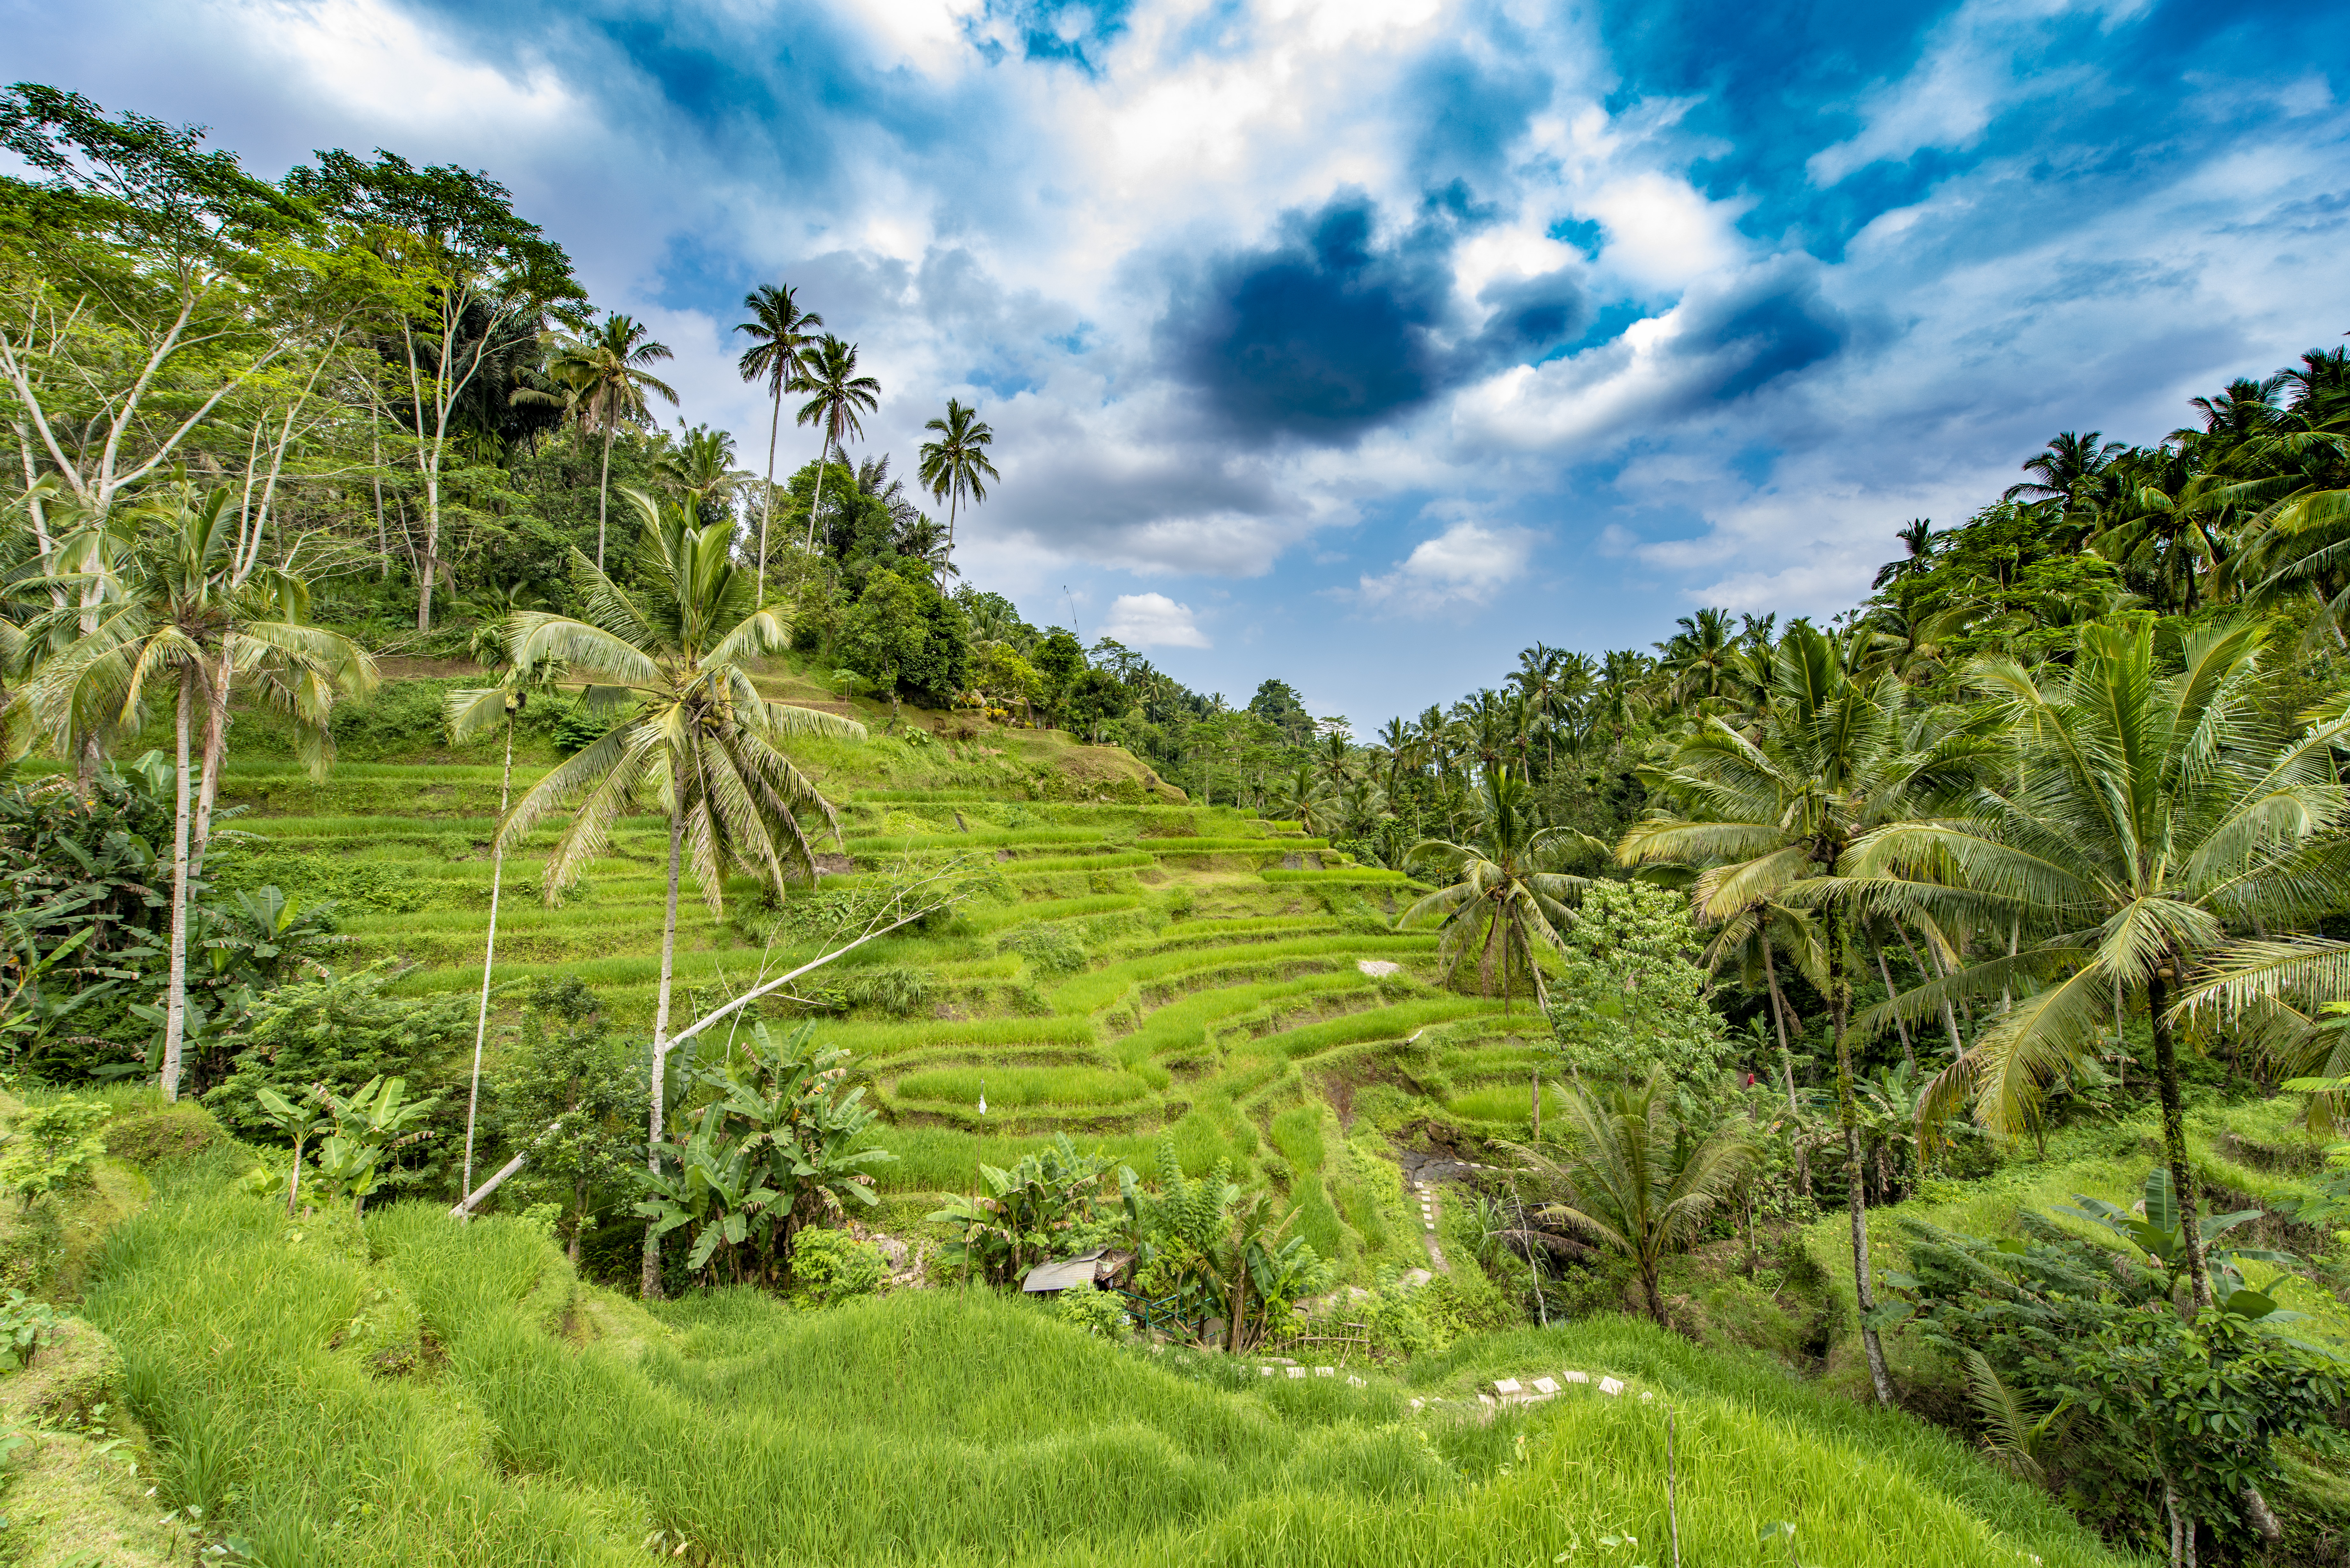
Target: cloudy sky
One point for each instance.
(1365, 342)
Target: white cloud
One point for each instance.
(1152, 620)
(1466, 565)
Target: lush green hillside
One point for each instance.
(1126, 967)
(438, 1394)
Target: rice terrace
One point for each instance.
(597, 971)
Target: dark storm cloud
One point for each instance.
(1327, 333)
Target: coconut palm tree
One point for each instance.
(780, 331)
(1770, 820)
(955, 466)
(1502, 892)
(1635, 1180)
(700, 740)
(467, 713)
(699, 466)
(828, 370)
(2149, 823)
(606, 376)
(176, 610)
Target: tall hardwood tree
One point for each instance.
(700, 740)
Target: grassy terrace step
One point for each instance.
(1338, 875)
(1090, 993)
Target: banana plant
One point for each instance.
(2153, 1228)
(371, 1124)
(297, 1119)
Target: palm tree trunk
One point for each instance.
(215, 754)
(1950, 1019)
(774, 424)
(650, 1284)
(603, 495)
(1786, 1067)
(489, 957)
(175, 993)
(953, 504)
(1856, 1193)
(1884, 973)
(2174, 1137)
(1655, 1298)
(817, 503)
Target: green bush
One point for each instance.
(174, 1132)
(1048, 950)
(830, 1266)
(52, 1147)
(1097, 1311)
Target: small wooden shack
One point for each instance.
(1106, 1267)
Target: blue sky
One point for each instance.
(1365, 342)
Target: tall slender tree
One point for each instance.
(2147, 825)
(468, 712)
(177, 613)
(1770, 820)
(955, 467)
(780, 332)
(700, 740)
(606, 374)
(828, 370)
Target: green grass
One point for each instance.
(943, 1426)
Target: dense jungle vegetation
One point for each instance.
(1882, 1076)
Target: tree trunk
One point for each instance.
(650, 1284)
(432, 566)
(1855, 1194)
(817, 503)
(767, 515)
(1950, 1019)
(1786, 1065)
(1655, 1297)
(1884, 973)
(175, 993)
(1535, 1116)
(603, 494)
(215, 754)
(489, 957)
(2174, 1137)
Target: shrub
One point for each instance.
(1048, 950)
(24, 1324)
(52, 1146)
(831, 1266)
(1097, 1311)
(173, 1132)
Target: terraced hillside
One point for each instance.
(1122, 967)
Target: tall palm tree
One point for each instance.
(2144, 820)
(955, 466)
(828, 370)
(1772, 819)
(178, 611)
(1635, 1179)
(1504, 893)
(1917, 537)
(606, 375)
(2064, 468)
(700, 740)
(467, 713)
(780, 331)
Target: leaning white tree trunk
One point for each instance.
(489, 954)
(818, 503)
(767, 515)
(603, 494)
(175, 993)
(649, 1286)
